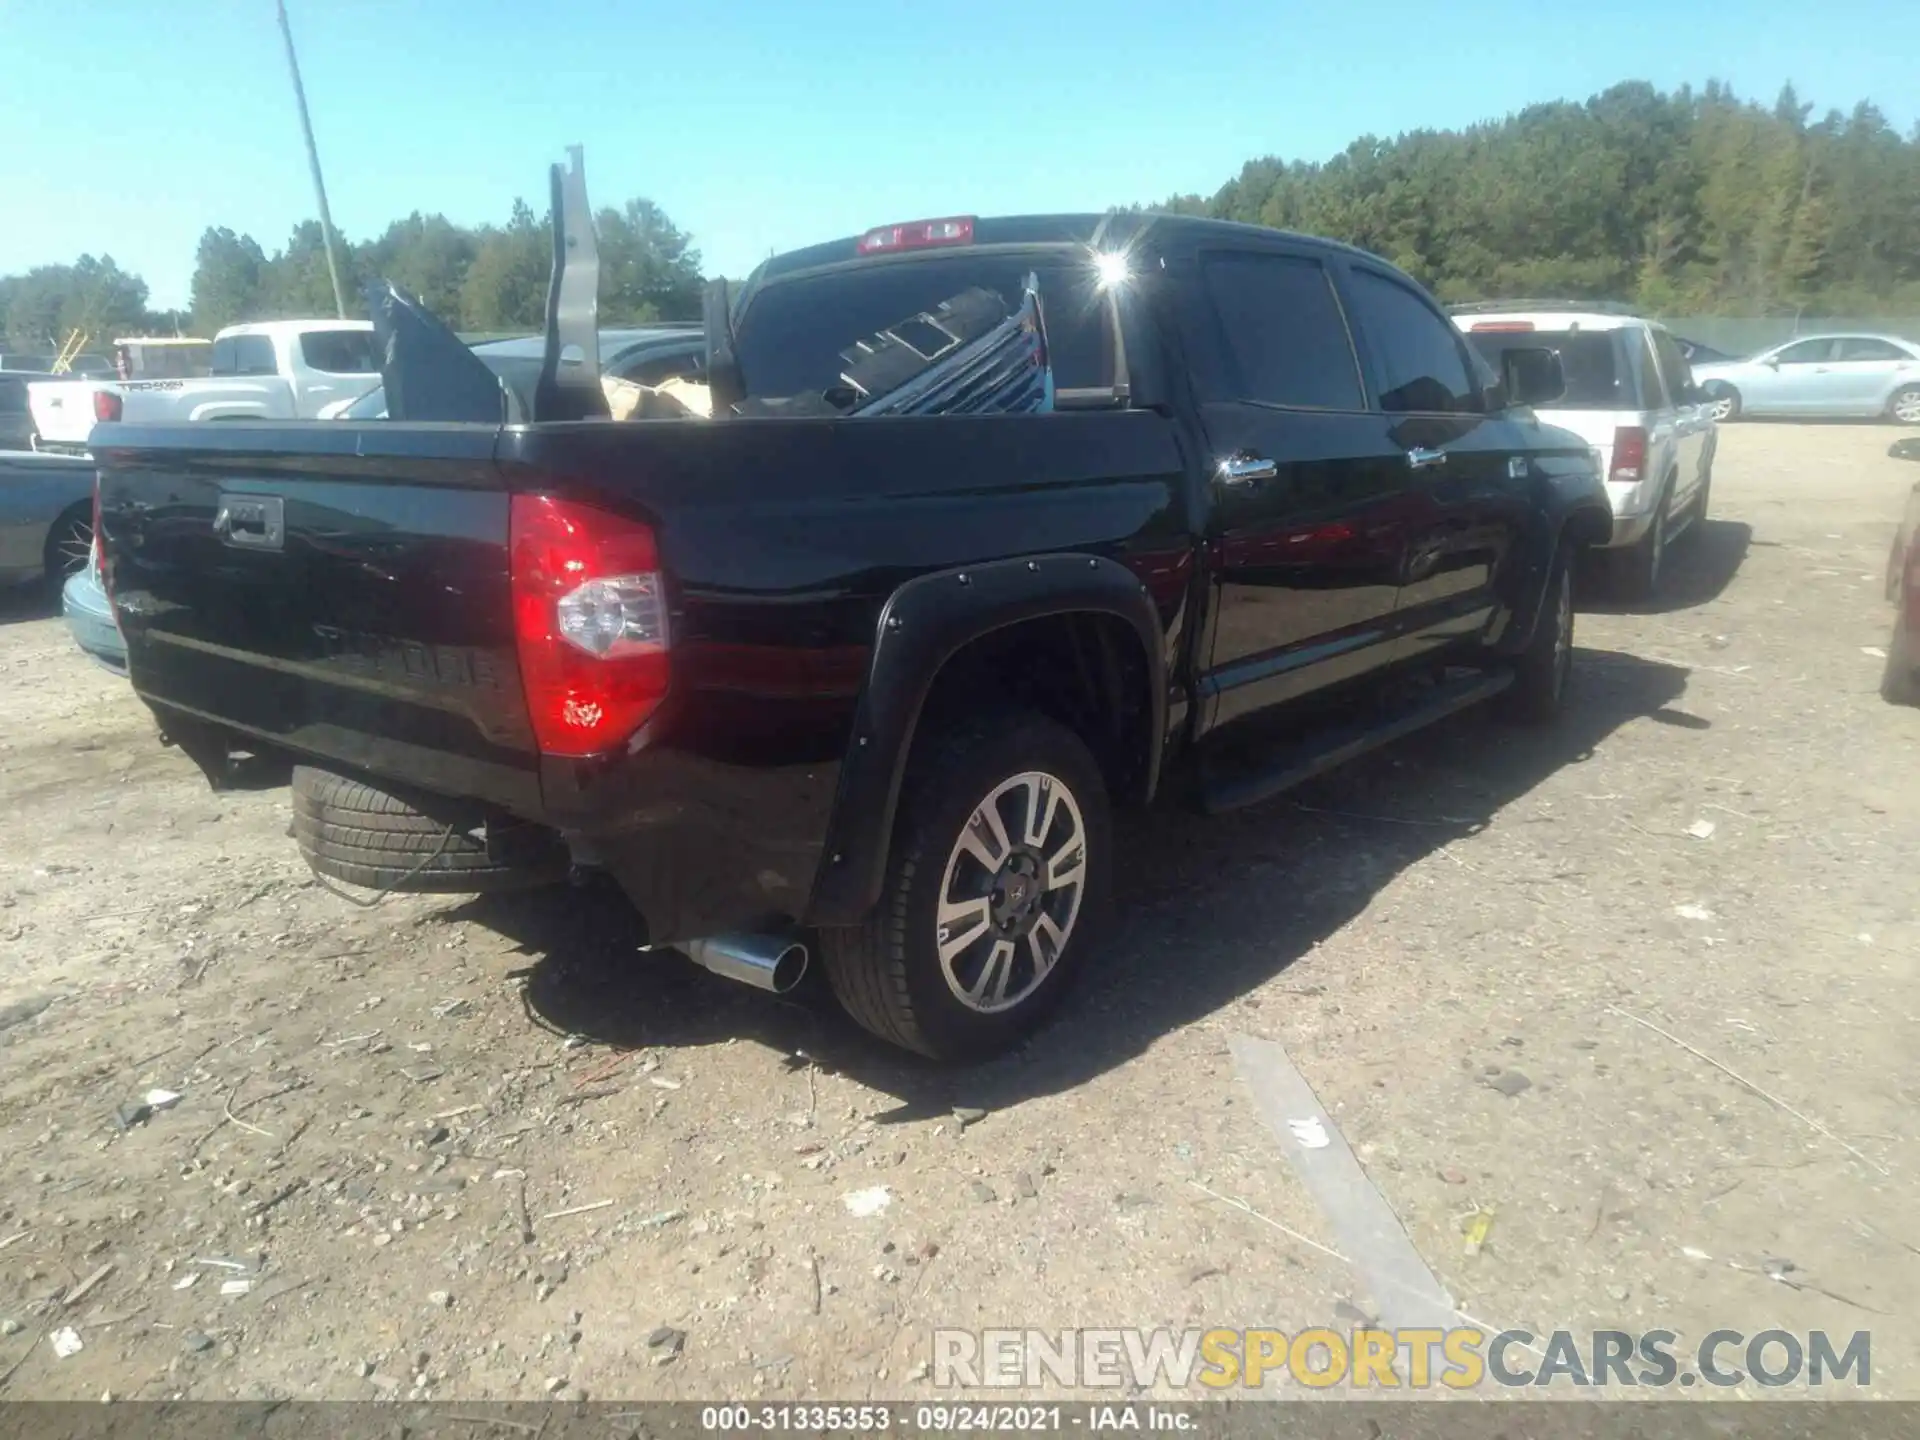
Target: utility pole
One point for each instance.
(313, 160)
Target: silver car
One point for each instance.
(1820, 375)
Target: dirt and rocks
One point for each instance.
(261, 1142)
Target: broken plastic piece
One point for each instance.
(1311, 1134)
(864, 1204)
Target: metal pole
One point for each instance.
(313, 159)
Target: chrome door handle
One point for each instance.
(1244, 469)
(1421, 458)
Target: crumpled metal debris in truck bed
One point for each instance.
(966, 356)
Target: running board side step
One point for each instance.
(1296, 764)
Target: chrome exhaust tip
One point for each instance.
(775, 963)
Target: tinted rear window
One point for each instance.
(339, 352)
(792, 333)
(1596, 378)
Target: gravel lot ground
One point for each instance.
(384, 1124)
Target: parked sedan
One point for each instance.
(1820, 375)
(46, 516)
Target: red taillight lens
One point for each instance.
(590, 621)
(1629, 454)
(108, 406)
(1502, 327)
(917, 235)
(99, 557)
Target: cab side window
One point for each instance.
(1283, 339)
(1420, 365)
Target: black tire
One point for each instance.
(1538, 695)
(888, 973)
(1904, 407)
(69, 543)
(1900, 680)
(361, 834)
(1725, 401)
(1639, 570)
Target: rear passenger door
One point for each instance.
(1303, 529)
(1693, 427)
(1865, 371)
(1465, 470)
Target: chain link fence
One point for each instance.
(1737, 336)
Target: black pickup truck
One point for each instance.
(870, 684)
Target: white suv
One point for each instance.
(1632, 397)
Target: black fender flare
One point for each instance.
(1572, 509)
(923, 625)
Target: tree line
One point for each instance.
(1682, 202)
(1689, 202)
(477, 278)
(485, 278)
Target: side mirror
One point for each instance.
(1532, 376)
(1772, 362)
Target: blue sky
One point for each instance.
(131, 126)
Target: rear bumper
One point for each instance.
(1632, 503)
(1628, 530)
(719, 822)
(712, 828)
(702, 846)
(89, 617)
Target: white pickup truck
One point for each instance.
(274, 370)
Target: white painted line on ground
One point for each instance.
(1406, 1294)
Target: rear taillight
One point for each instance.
(108, 406)
(917, 235)
(1629, 455)
(99, 556)
(590, 622)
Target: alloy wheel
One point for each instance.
(71, 550)
(1011, 892)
